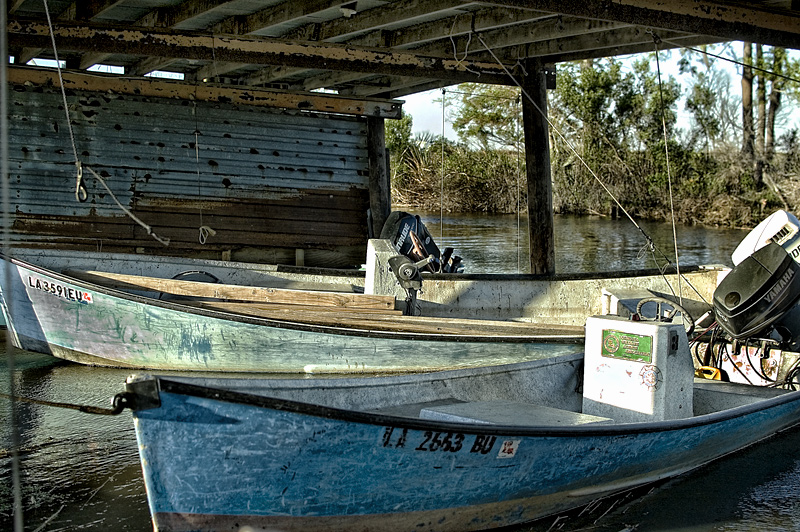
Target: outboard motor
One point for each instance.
(759, 297)
(411, 238)
(780, 227)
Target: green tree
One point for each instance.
(487, 116)
(613, 120)
(398, 134)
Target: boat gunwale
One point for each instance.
(165, 384)
(298, 325)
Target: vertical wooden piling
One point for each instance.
(537, 162)
(379, 188)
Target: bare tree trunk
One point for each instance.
(778, 63)
(747, 105)
(761, 102)
(761, 119)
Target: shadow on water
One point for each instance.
(756, 489)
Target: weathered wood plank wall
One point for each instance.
(269, 182)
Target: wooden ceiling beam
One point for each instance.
(91, 9)
(367, 25)
(377, 18)
(264, 51)
(181, 15)
(419, 34)
(26, 54)
(14, 5)
(257, 23)
(753, 22)
(499, 37)
(260, 22)
(169, 89)
(645, 46)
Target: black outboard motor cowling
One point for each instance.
(758, 293)
(411, 238)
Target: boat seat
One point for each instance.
(508, 413)
(714, 396)
(413, 409)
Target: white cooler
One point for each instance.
(637, 371)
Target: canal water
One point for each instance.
(81, 472)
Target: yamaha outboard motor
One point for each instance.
(411, 238)
(760, 297)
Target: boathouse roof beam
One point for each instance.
(754, 22)
(369, 29)
(261, 50)
(502, 37)
(268, 22)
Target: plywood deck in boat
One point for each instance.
(330, 309)
(474, 328)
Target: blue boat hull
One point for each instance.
(215, 460)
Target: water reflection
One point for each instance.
(78, 471)
(499, 243)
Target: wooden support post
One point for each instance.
(380, 201)
(537, 162)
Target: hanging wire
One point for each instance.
(561, 136)
(649, 241)
(441, 191)
(656, 40)
(60, 81)
(728, 59)
(518, 134)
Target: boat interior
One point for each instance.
(546, 393)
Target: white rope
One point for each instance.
(205, 232)
(460, 62)
(81, 194)
(133, 217)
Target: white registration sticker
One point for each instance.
(508, 449)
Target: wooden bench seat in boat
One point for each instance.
(508, 413)
(413, 409)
